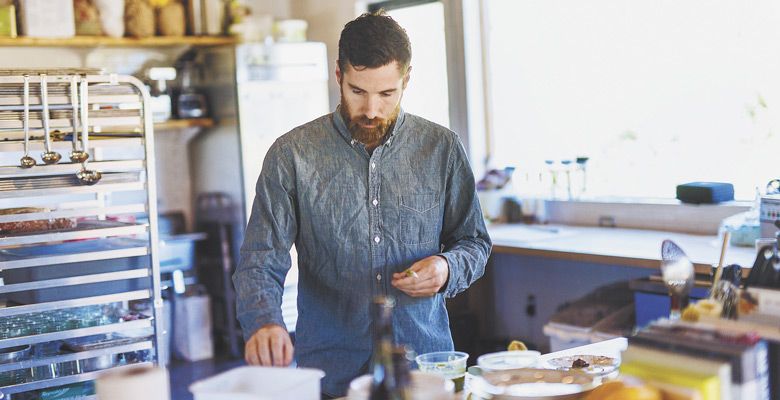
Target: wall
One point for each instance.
(552, 283)
(326, 20)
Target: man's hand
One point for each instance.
(269, 346)
(431, 274)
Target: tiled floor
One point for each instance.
(185, 373)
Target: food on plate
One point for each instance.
(695, 311)
(579, 363)
(34, 225)
(517, 345)
(588, 363)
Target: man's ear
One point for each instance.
(338, 73)
(406, 77)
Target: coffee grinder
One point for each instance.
(190, 103)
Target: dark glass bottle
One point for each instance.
(401, 367)
(384, 385)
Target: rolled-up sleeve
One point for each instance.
(265, 253)
(465, 241)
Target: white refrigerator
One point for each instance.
(257, 92)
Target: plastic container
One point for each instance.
(177, 252)
(424, 386)
(260, 383)
(503, 360)
(447, 364)
(564, 336)
(291, 30)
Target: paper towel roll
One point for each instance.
(148, 383)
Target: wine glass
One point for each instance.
(677, 272)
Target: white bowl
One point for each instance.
(504, 360)
(425, 386)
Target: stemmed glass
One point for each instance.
(677, 272)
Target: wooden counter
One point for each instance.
(617, 246)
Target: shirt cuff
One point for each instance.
(451, 285)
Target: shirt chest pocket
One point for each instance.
(419, 216)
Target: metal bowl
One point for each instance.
(13, 354)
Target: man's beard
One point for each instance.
(368, 135)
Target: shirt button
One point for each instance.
(376, 239)
(375, 202)
(373, 165)
(378, 277)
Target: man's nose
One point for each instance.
(372, 107)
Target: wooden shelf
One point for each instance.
(98, 41)
(174, 124)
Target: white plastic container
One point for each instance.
(564, 336)
(508, 360)
(47, 18)
(260, 383)
(424, 386)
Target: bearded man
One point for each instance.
(366, 194)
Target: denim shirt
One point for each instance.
(355, 219)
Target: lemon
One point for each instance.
(516, 345)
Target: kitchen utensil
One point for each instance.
(86, 176)
(27, 161)
(678, 274)
(719, 270)
(49, 156)
(77, 155)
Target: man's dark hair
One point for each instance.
(373, 40)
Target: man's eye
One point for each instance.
(386, 94)
(356, 91)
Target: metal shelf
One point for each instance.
(82, 355)
(71, 168)
(14, 102)
(74, 333)
(60, 254)
(62, 304)
(76, 280)
(72, 213)
(124, 128)
(64, 147)
(85, 230)
(66, 123)
(65, 380)
(46, 187)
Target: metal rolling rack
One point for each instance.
(108, 259)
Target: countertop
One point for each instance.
(617, 246)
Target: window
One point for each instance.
(427, 93)
(655, 93)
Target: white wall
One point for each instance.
(326, 20)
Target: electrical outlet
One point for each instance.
(607, 221)
(530, 307)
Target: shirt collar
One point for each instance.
(341, 126)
